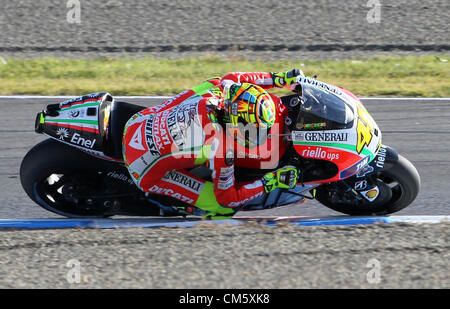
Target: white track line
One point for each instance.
(404, 99)
(420, 219)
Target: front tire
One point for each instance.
(399, 186)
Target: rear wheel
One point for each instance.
(398, 187)
(72, 183)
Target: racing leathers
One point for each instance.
(162, 143)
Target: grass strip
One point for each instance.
(414, 76)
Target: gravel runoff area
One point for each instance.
(254, 28)
(251, 256)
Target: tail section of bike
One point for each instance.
(92, 123)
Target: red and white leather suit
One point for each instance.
(162, 143)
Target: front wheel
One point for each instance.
(398, 187)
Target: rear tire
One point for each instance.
(399, 188)
(49, 170)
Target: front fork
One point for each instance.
(363, 185)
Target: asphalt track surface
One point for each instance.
(250, 256)
(254, 28)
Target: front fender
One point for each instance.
(385, 159)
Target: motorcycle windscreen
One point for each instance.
(322, 110)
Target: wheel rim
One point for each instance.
(396, 186)
(355, 203)
(53, 193)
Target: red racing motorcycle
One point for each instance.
(326, 132)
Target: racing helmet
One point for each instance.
(247, 103)
(251, 106)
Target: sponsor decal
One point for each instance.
(78, 140)
(184, 181)
(155, 133)
(226, 178)
(186, 114)
(149, 136)
(319, 153)
(319, 84)
(381, 157)
(160, 134)
(298, 136)
(364, 129)
(143, 160)
(174, 131)
(171, 193)
(352, 170)
(180, 119)
(121, 176)
(365, 171)
(245, 201)
(186, 111)
(225, 185)
(80, 100)
(360, 185)
(226, 170)
(163, 129)
(325, 137)
(74, 113)
(62, 133)
(136, 140)
(314, 125)
(371, 194)
(135, 175)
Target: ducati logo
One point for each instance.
(136, 140)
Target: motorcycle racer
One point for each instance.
(198, 127)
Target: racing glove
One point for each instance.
(286, 79)
(283, 178)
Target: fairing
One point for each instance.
(348, 136)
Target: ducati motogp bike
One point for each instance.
(327, 134)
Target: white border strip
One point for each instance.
(420, 219)
(403, 99)
(168, 97)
